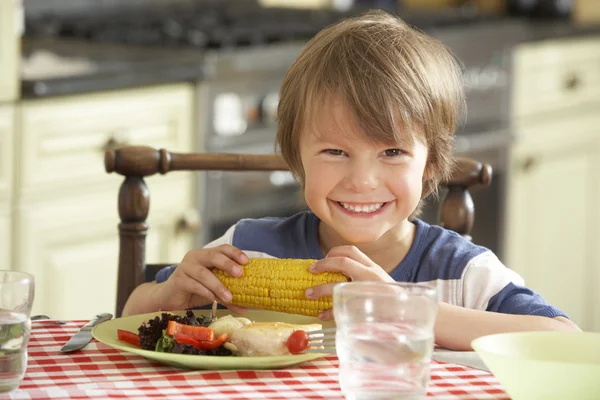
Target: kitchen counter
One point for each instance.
(53, 67)
(551, 30)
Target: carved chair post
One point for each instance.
(457, 211)
(134, 205)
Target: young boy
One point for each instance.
(367, 115)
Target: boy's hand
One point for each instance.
(192, 283)
(350, 261)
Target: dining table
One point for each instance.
(99, 371)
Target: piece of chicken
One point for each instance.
(264, 338)
(228, 324)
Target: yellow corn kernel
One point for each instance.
(279, 285)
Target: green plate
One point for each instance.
(106, 333)
(544, 365)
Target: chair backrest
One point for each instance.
(136, 162)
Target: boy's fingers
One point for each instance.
(206, 278)
(326, 315)
(344, 265)
(324, 290)
(234, 253)
(225, 263)
(351, 252)
(236, 309)
(191, 285)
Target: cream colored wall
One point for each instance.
(11, 24)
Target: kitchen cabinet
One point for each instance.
(6, 171)
(65, 213)
(70, 245)
(553, 190)
(553, 229)
(58, 134)
(5, 237)
(7, 118)
(11, 21)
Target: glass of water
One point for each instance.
(16, 298)
(384, 339)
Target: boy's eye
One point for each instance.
(393, 152)
(334, 152)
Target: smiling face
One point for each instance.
(359, 188)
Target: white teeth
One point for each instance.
(365, 208)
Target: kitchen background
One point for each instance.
(78, 77)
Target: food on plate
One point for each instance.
(225, 336)
(279, 285)
(228, 324)
(266, 339)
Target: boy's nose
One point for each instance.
(362, 178)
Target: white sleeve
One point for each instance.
(227, 238)
(483, 278)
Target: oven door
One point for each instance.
(231, 196)
(488, 228)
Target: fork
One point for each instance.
(44, 318)
(321, 341)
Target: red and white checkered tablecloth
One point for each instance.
(101, 372)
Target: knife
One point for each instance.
(84, 336)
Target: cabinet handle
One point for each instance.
(189, 222)
(572, 82)
(528, 164)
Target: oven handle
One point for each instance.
(473, 142)
(282, 179)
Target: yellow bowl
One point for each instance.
(544, 365)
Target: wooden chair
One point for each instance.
(456, 211)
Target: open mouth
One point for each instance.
(363, 208)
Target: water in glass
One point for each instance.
(384, 360)
(14, 335)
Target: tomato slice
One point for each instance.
(200, 344)
(185, 339)
(297, 342)
(197, 332)
(128, 337)
(213, 344)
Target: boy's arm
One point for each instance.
(142, 300)
(456, 326)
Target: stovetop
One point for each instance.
(214, 24)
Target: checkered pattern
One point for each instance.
(101, 372)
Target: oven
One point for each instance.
(237, 105)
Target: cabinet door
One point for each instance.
(71, 246)
(6, 150)
(552, 230)
(57, 134)
(5, 237)
(11, 18)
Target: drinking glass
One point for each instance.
(16, 298)
(384, 339)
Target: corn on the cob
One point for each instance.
(279, 285)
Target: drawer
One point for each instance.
(6, 150)
(555, 75)
(62, 141)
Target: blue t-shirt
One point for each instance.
(464, 274)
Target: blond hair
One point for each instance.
(394, 79)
